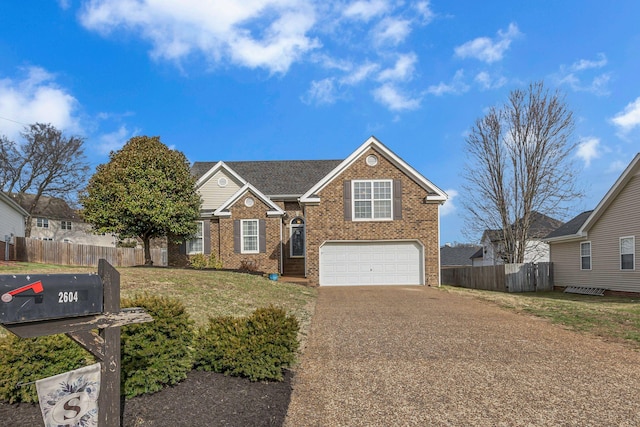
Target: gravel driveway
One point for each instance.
(404, 356)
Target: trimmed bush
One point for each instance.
(25, 360)
(257, 347)
(202, 261)
(158, 353)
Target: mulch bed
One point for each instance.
(203, 399)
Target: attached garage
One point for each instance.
(396, 262)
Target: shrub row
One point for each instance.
(161, 352)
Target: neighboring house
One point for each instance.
(365, 220)
(12, 218)
(458, 255)
(53, 219)
(598, 248)
(536, 249)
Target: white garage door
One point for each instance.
(371, 263)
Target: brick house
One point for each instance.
(368, 219)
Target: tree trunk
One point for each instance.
(147, 251)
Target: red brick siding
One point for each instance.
(419, 220)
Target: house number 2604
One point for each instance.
(67, 297)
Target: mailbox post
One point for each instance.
(74, 304)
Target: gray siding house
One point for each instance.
(598, 248)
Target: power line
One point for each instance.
(14, 121)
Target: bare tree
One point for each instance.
(45, 163)
(519, 161)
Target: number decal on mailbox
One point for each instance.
(65, 297)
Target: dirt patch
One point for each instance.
(203, 399)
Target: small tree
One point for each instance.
(145, 191)
(46, 163)
(519, 163)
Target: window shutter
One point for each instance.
(183, 248)
(397, 199)
(262, 235)
(206, 236)
(236, 236)
(347, 200)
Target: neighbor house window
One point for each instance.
(585, 256)
(65, 225)
(42, 222)
(627, 253)
(249, 237)
(297, 238)
(196, 244)
(372, 199)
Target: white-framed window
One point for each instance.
(249, 236)
(42, 222)
(628, 253)
(196, 244)
(67, 240)
(47, 239)
(296, 242)
(585, 256)
(65, 225)
(372, 199)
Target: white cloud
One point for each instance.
(424, 11)
(456, 87)
(402, 70)
(617, 166)
(588, 149)
(390, 96)
(628, 119)
(486, 81)
(36, 98)
(585, 64)
(360, 74)
(320, 92)
(115, 140)
(269, 34)
(391, 31)
(486, 49)
(365, 10)
(449, 207)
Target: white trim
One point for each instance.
(222, 211)
(199, 236)
(304, 237)
(13, 204)
(242, 235)
(633, 246)
(218, 166)
(583, 256)
(437, 196)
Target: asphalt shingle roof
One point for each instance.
(457, 255)
(276, 177)
(570, 227)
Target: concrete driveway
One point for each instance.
(418, 356)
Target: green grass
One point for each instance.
(609, 317)
(203, 292)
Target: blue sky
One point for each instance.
(296, 79)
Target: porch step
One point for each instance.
(584, 291)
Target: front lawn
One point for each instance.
(609, 317)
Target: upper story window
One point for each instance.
(627, 253)
(42, 222)
(196, 244)
(585, 256)
(373, 199)
(249, 237)
(65, 225)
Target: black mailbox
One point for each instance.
(32, 297)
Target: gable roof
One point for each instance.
(541, 225)
(48, 207)
(224, 209)
(570, 228)
(586, 220)
(13, 204)
(433, 192)
(458, 255)
(290, 178)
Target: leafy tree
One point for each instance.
(145, 191)
(45, 163)
(519, 162)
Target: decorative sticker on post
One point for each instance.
(70, 399)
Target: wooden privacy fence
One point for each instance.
(529, 277)
(62, 253)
